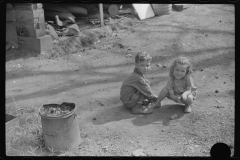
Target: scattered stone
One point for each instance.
(105, 148)
(201, 69)
(174, 116)
(216, 91)
(158, 64)
(101, 104)
(128, 55)
(218, 101)
(138, 152)
(163, 130)
(219, 106)
(224, 82)
(216, 77)
(164, 66)
(94, 118)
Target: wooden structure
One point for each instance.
(31, 27)
(11, 33)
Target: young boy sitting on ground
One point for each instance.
(136, 93)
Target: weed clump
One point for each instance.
(26, 138)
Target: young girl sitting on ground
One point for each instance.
(179, 87)
(136, 90)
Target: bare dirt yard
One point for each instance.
(91, 77)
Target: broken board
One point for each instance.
(144, 11)
(52, 31)
(10, 121)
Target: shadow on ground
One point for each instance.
(161, 115)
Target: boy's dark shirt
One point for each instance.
(134, 83)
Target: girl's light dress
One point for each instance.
(179, 86)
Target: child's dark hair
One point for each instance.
(142, 56)
(181, 60)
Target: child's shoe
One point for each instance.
(188, 109)
(139, 109)
(155, 105)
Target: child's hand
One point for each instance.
(155, 96)
(184, 97)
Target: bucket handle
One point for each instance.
(53, 134)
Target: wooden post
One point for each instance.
(101, 14)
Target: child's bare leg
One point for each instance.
(174, 98)
(161, 96)
(188, 103)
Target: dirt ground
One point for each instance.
(92, 77)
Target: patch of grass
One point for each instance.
(64, 48)
(113, 27)
(26, 138)
(86, 40)
(122, 26)
(129, 22)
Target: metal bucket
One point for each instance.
(162, 9)
(61, 133)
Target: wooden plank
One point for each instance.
(52, 31)
(10, 121)
(31, 30)
(28, 15)
(11, 34)
(37, 44)
(10, 15)
(92, 10)
(75, 10)
(27, 6)
(51, 16)
(144, 11)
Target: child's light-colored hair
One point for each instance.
(181, 60)
(142, 56)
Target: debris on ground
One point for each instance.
(219, 106)
(218, 101)
(73, 30)
(51, 31)
(216, 91)
(53, 110)
(138, 152)
(174, 116)
(158, 65)
(128, 55)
